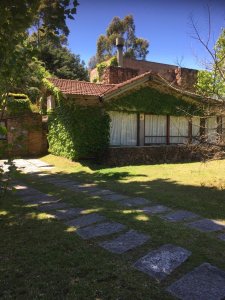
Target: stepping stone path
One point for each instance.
(206, 225)
(134, 202)
(114, 197)
(125, 242)
(222, 236)
(180, 215)
(157, 209)
(50, 207)
(203, 283)
(160, 263)
(86, 220)
(63, 214)
(100, 230)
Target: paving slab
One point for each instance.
(125, 242)
(206, 225)
(86, 220)
(156, 209)
(114, 197)
(222, 236)
(54, 206)
(37, 196)
(27, 192)
(180, 215)
(161, 262)
(205, 282)
(102, 192)
(102, 229)
(137, 201)
(64, 214)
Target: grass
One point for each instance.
(42, 259)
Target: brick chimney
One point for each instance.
(120, 44)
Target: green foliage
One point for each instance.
(211, 83)
(113, 62)
(149, 100)
(78, 132)
(134, 47)
(18, 104)
(101, 68)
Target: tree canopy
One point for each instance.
(211, 82)
(134, 47)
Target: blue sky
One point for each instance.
(165, 24)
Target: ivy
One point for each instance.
(78, 132)
(149, 100)
(18, 104)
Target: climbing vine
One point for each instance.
(78, 132)
(149, 100)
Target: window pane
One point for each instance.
(155, 129)
(211, 129)
(123, 129)
(178, 130)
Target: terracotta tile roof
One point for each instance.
(75, 87)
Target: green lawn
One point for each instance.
(42, 259)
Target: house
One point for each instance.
(151, 119)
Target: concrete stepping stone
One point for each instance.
(98, 230)
(27, 192)
(137, 201)
(101, 192)
(37, 196)
(180, 215)
(54, 206)
(205, 282)
(85, 220)
(44, 200)
(206, 225)
(64, 214)
(156, 209)
(114, 197)
(161, 262)
(222, 236)
(125, 242)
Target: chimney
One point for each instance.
(119, 44)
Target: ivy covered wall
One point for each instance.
(149, 100)
(78, 132)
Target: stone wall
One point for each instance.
(121, 156)
(114, 75)
(26, 136)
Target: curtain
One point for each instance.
(211, 129)
(195, 129)
(178, 130)
(155, 129)
(123, 129)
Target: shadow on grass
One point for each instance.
(209, 202)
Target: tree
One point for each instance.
(61, 62)
(134, 47)
(211, 82)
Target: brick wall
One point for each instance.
(114, 75)
(26, 136)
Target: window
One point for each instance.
(155, 129)
(2, 130)
(211, 129)
(123, 129)
(178, 130)
(196, 125)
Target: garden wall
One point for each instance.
(121, 156)
(26, 136)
